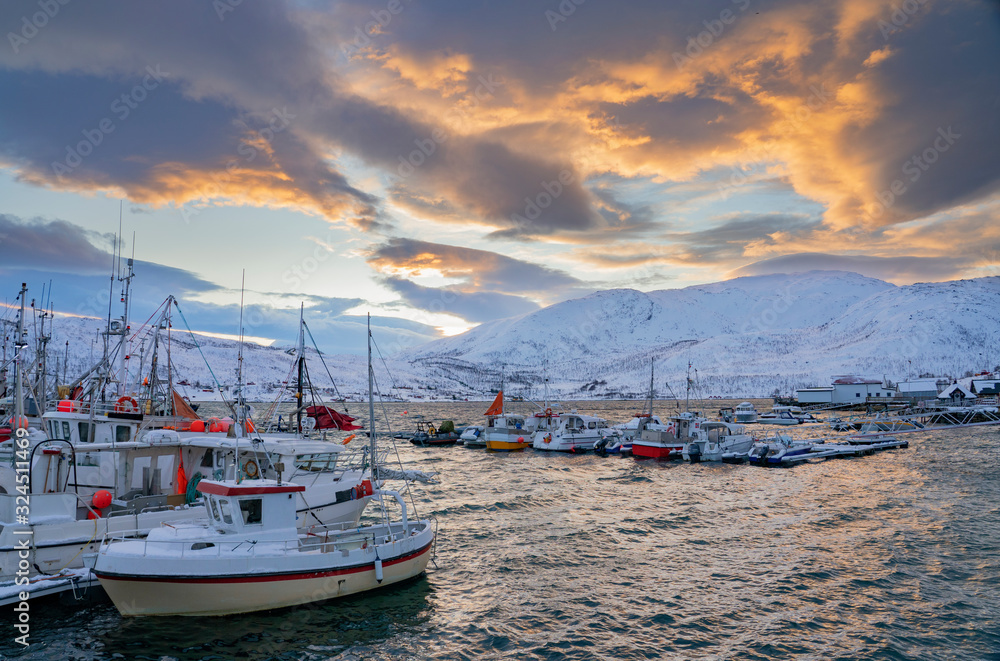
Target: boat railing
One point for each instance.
(332, 540)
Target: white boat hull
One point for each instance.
(226, 595)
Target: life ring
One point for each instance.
(548, 439)
(126, 404)
(548, 413)
(250, 469)
(431, 430)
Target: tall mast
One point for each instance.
(301, 357)
(545, 379)
(503, 397)
(239, 386)
(371, 399)
(652, 364)
(19, 344)
(687, 396)
(122, 354)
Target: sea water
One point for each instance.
(557, 556)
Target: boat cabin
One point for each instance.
(250, 506)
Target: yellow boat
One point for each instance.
(518, 443)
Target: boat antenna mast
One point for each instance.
(652, 364)
(371, 401)
(20, 342)
(687, 395)
(300, 354)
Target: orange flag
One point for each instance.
(182, 481)
(349, 439)
(496, 408)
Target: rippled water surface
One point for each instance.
(549, 556)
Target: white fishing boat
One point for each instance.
(714, 439)
(575, 432)
(745, 413)
(251, 554)
(780, 415)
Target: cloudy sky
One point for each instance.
(441, 164)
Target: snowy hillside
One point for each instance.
(745, 337)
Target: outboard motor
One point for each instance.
(694, 453)
(601, 447)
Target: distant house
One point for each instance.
(918, 389)
(856, 390)
(817, 395)
(847, 389)
(957, 394)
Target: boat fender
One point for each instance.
(378, 566)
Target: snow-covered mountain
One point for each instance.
(744, 337)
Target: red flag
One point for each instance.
(496, 408)
(327, 418)
(182, 481)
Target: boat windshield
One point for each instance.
(320, 462)
(227, 514)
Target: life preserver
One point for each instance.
(431, 430)
(548, 439)
(132, 405)
(250, 469)
(548, 413)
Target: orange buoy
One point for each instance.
(19, 422)
(66, 406)
(101, 499)
(198, 425)
(250, 427)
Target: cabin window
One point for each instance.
(65, 429)
(227, 513)
(122, 434)
(591, 425)
(52, 428)
(251, 510)
(84, 428)
(214, 509)
(324, 461)
(206, 461)
(857, 394)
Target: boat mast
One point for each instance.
(300, 354)
(19, 344)
(687, 396)
(545, 379)
(371, 400)
(239, 386)
(652, 363)
(122, 355)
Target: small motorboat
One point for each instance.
(428, 434)
(613, 441)
(779, 417)
(471, 434)
(249, 555)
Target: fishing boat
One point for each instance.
(668, 441)
(709, 441)
(575, 432)
(250, 554)
(780, 415)
(745, 413)
(504, 432)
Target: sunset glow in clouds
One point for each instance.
(443, 164)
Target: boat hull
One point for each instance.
(640, 451)
(145, 595)
(506, 446)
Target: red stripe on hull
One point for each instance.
(265, 578)
(656, 452)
